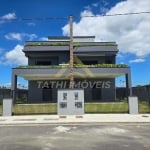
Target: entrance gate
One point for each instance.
(70, 102)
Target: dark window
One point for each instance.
(44, 63)
(47, 93)
(109, 59)
(89, 62)
(96, 93)
(108, 62)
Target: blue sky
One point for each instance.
(130, 32)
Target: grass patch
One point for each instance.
(106, 108)
(1, 109)
(51, 108)
(144, 107)
(114, 107)
(27, 109)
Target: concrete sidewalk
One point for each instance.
(87, 118)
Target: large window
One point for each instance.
(96, 93)
(89, 62)
(109, 59)
(43, 63)
(47, 93)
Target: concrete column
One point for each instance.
(133, 105)
(14, 87)
(7, 107)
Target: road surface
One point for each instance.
(75, 137)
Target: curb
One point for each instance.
(83, 119)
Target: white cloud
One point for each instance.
(100, 6)
(87, 7)
(7, 17)
(95, 4)
(14, 36)
(43, 39)
(131, 32)
(20, 36)
(16, 56)
(30, 36)
(120, 55)
(86, 13)
(139, 60)
(31, 24)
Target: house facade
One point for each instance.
(95, 69)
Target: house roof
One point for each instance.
(64, 46)
(62, 43)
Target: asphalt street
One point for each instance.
(75, 137)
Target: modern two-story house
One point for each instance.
(95, 69)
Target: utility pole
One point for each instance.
(71, 53)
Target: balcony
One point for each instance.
(62, 71)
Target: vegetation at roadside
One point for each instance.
(106, 108)
(27, 109)
(0, 101)
(0, 109)
(144, 107)
(51, 108)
